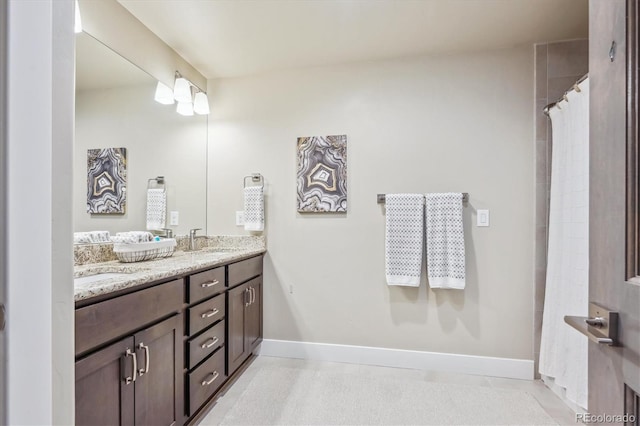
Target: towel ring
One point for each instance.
(255, 177)
(159, 183)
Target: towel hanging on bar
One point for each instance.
(404, 239)
(445, 241)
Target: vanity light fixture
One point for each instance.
(77, 27)
(164, 94)
(182, 89)
(185, 108)
(201, 103)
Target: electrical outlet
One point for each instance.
(174, 218)
(240, 218)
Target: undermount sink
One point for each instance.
(97, 277)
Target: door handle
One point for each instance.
(130, 379)
(253, 291)
(601, 326)
(144, 370)
(246, 303)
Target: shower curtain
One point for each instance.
(563, 350)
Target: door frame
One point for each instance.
(3, 200)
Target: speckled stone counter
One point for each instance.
(127, 275)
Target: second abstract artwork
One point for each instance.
(322, 174)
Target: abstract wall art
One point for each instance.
(106, 180)
(322, 174)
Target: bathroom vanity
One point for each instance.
(156, 341)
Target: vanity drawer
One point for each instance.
(205, 380)
(205, 344)
(242, 271)
(104, 321)
(205, 314)
(205, 284)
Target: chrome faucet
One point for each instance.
(192, 238)
(168, 233)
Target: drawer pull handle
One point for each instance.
(129, 380)
(210, 342)
(144, 370)
(211, 380)
(210, 313)
(210, 284)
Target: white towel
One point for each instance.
(156, 208)
(404, 238)
(132, 237)
(253, 208)
(91, 237)
(445, 241)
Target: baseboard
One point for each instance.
(450, 363)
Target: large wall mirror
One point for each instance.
(115, 109)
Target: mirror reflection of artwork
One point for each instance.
(107, 180)
(322, 174)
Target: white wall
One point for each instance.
(448, 123)
(159, 142)
(39, 256)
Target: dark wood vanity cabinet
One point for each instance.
(159, 355)
(244, 317)
(137, 380)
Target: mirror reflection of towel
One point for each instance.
(156, 208)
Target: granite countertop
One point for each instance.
(126, 275)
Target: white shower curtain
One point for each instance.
(563, 351)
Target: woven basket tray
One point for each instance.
(138, 252)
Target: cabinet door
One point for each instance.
(103, 396)
(158, 387)
(237, 350)
(254, 315)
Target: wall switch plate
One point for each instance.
(483, 217)
(240, 218)
(174, 218)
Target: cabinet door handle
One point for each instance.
(144, 370)
(210, 284)
(210, 342)
(130, 379)
(211, 380)
(247, 303)
(253, 295)
(210, 313)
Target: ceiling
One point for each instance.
(230, 38)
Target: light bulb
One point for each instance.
(182, 90)
(201, 104)
(185, 108)
(164, 94)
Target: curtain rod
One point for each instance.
(575, 87)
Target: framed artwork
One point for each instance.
(106, 180)
(322, 174)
